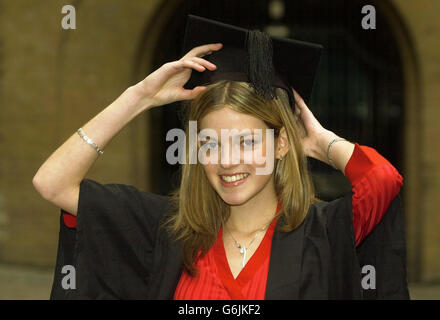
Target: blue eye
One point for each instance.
(211, 145)
(248, 142)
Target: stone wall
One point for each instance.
(54, 81)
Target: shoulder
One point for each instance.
(326, 211)
(331, 221)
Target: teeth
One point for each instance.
(235, 178)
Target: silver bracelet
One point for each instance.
(89, 141)
(329, 149)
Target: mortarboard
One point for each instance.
(253, 56)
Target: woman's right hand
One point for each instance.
(165, 85)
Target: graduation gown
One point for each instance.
(117, 251)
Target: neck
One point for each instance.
(255, 213)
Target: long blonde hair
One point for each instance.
(198, 211)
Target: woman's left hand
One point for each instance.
(315, 138)
(313, 131)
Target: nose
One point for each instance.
(229, 157)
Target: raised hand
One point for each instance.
(316, 138)
(165, 85)
(312, 129)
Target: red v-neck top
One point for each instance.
(216, 281)
(375, 183)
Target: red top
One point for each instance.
(216, 281)
(375, 183)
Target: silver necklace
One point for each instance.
(242, 248)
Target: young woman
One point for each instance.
(227, 232)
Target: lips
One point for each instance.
(232, 180)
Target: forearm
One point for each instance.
(340, 154)
(69, 164)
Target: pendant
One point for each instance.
(242, 250)
(244, 256)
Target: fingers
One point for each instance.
(198, 64)
(309, 121)
(191, 94)
(297, 103)
(298, 98)
(205, 63)
(204, 50)
(300, 105)
(193, 58)
(188, 63)
(297, 110)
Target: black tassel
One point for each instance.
(260, 66)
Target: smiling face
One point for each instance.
(234, 177)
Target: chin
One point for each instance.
(235, 199)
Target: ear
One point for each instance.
(282, 144)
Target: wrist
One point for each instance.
(339, 152)
(138, 99)
(321, 147)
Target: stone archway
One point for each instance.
(412, 136)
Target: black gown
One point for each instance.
(118, 253)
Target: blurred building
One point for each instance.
(378, 87)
